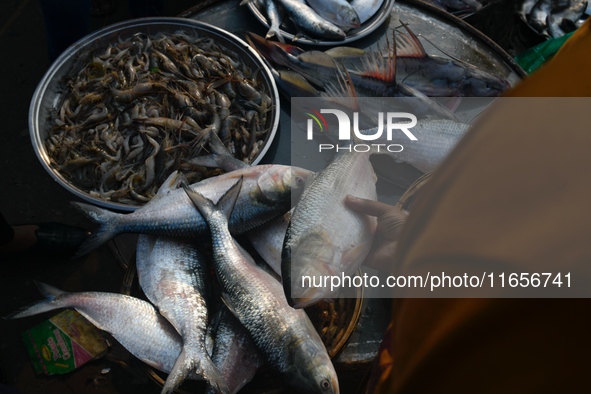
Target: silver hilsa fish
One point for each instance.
(284, 335)
(325, 237)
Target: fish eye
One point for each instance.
(299, 181)
(325, 384)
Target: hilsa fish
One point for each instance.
(324, 237)
(134, 323)
(267, 193)
(234, 351)
(173, 274)
(306, 19)
(284, 335)
(339, 12)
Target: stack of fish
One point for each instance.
(317, 19)
(170, 333)
(554, 18)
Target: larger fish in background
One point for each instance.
(285, 336)
(325, 237)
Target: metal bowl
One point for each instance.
(48, 93)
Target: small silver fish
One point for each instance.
(275, 15)
(339, 12)
(310, 22)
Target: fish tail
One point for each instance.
(206, 368)
(51, 302)
(225, 204)
(179, 372)
(219, 157)
(105, 232)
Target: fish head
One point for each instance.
(312, 371)
(348, 18)
(483, 84)
(279, 182)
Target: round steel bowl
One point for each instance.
(47, 95)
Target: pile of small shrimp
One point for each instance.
(134, 111)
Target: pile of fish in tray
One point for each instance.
(554, 18)
(317, 19)
(135, 110)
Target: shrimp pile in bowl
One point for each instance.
(133, 111)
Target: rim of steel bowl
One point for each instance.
(47, 94)
(334, 321)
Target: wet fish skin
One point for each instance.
(275, 15)
(234, 352)
(310, 22)
(436, 76)
(132, 322)
(537, 16)
(266, 194)
(339, 12)
(325, 237)
(435, 140)
(267, 240)
(365, 9)
(285, 336)
(172, 273)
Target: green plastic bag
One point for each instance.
(533, 58)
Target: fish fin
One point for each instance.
(345, 52)
(173, 182)
(226, 203)
(108, 221)
(409, 45)
(48, 304)
(205, 367)
(344, 94)
(228, 303)
(219, 157)
(179, 372)
(380, 67)
(272, 51)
